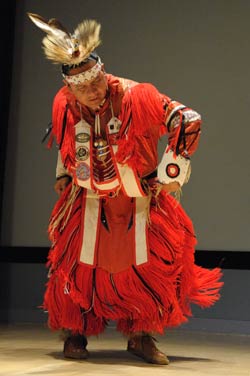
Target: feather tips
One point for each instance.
(51, 27)
(88, 35)
(60, 51)
(63, 48)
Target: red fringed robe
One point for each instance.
(148, 297)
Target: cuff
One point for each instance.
(173, 169)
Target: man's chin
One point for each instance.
(96, 103)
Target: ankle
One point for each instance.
(75, 347)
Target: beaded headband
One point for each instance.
(85, 76)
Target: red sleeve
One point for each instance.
(58, 113)
(63, 119)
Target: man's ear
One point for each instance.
(103, 68)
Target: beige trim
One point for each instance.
(106, 186)
(60, 169)
(141, 247)
(90, 229)
(83, 127)
(130, 183)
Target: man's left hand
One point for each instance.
(171, 187)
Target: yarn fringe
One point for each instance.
(150, 297)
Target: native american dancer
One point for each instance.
(122, 246)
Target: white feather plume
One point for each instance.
(63, 48)
(88, 35)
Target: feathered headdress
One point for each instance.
(64, 48)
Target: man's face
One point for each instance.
(90, 93)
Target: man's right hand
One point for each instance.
(61, 184)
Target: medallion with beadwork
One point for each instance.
(82, 171)
(82, 153)
(82, 137)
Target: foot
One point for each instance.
(75, 347)
(144, 347)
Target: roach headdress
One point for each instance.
(64, 48)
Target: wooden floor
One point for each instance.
(34, 350)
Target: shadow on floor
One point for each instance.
(122, 357)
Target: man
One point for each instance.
(122, 246)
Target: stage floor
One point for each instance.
(34, 350)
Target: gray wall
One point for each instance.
(195, 51)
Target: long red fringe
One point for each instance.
(142, 121)
(149, 297)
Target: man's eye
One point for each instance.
(81, 88)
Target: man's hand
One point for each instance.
(156, 187)
(61, 184)
(171, 187)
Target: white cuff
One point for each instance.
(60, 169)
(172, 169)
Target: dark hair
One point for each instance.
(66, 68)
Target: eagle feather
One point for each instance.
(64, 48)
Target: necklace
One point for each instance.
(113, 127)
(100, 144)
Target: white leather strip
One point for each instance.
(90, 229)
(106, 186)
(141, 247)
(60, 169)
(83, 134)
(130, 182)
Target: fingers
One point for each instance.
(59, 190)
(60, 185)
(171, 187)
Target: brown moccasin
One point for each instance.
(75, 347)
(144, 347)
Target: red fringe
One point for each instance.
(140, 121)
(149, 297)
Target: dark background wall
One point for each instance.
(195, 51)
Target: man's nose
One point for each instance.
(91, 90)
